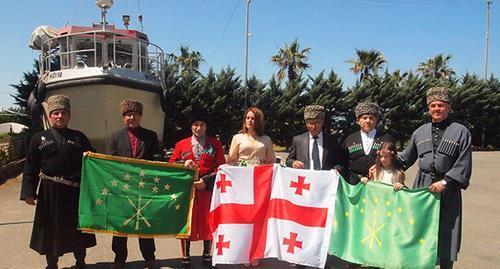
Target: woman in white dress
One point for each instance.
(251, 146)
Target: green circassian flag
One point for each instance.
(377, 226)
(131, 197)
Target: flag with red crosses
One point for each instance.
(271, 211)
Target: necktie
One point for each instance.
(315, 154)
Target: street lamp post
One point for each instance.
(488, 4)
(246, 51)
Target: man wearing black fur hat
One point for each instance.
(137, 142)
(443, 150)
(54, 161)
(361, 147)
(205, 153)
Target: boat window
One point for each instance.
(85, 53)
(123, 56)
(143, 57)
(64, 57)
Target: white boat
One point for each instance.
(97, 67)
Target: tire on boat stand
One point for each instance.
(37, 96)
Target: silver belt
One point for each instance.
(61, 180)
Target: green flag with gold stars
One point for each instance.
(377, 226)
(131, 197)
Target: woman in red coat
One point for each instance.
(205, 153)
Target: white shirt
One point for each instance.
(197, 145)
(386, 176)
(368, 139)
(320, 147)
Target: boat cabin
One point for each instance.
(76, 47)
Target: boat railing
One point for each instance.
(102, 49)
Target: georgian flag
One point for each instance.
(272, 211)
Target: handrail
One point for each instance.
(154, 59)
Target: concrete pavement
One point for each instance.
(480, 237)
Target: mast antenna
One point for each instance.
(104, 5)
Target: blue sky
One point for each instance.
(407, 32)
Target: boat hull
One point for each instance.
(95, 108)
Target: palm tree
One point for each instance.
(367, 63)
(188, 61)
(399, 76)
(290, 59)
(436, 67)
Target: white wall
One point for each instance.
(11, 127)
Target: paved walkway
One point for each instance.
(480, 242)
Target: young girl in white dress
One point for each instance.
(386, 169)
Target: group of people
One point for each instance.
(442, 147)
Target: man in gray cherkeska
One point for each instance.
(443, 149)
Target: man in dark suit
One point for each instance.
(315, 149)
(133, 141)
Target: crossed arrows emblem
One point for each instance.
(138, 214)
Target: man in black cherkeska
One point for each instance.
(360, 148)
(54, 161)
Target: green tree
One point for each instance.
(401, 100)
(25, 86)
(492, 133)
(215, 92)
(291, 110)
(413, 106)
(269, 100)
(174, 102)
(476, 105)
(401, 96)
(188, 61)
(436, 67)
(328, 92)
(367, 63)
(291, 60)
(222, 100)
(257, 93)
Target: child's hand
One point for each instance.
(364, 180)
(398, 186)
(372, 171)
